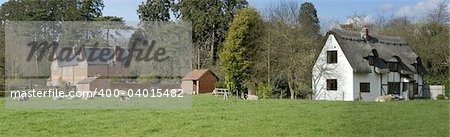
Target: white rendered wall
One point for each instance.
(342, 71)
(375, 85)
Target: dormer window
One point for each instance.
(393, 66)
(372, 57)
(331, 57)
(371, 60)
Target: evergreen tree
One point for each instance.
(41, 10)
(91, 9)
(238, 49)
(210, 21)
(155, 10)
(308, 19)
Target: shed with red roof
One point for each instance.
(199, 81)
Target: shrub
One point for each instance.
(447, 88)
(435, 80)
(440, 97)
(147, 78)
(220, 84)
(264, 90)
(303, 91)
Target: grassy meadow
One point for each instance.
(213, 116)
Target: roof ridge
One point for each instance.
(356, 49)
(377, 38)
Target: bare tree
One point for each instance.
(440, 13)
(357, 21)
(287, 53)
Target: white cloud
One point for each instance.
(327, 23)
(386, 7)
(420, 9)
(360, 20)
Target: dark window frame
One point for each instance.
(371, 60)
(364, 87)
(393, 66)
(332, 56)
(393, 87)
(416, 89)
(332, 84)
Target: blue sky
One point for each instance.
(327, 9)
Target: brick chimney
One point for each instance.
(365, 33)
(74, 49)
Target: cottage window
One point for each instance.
(393, 87)
(332, 56)
(364, 87)
(67, 71)
(393, 66)
(331, 84)
(416, 89)
(371, 60)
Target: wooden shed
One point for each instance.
(199, 81)
(92, 83)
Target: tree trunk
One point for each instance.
(198, 57)
(268, 65)
(281, 94)
(291, 90)
(212, 44)
(290, 75)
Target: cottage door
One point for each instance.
(411, 86)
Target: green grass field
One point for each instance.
(213, 116)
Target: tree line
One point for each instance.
(276, 61)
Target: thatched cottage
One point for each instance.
(362, 66)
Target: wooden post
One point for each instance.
(225, 94)
(197, 86)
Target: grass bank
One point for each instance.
(213, 116)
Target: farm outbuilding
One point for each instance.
(199, 81)
(91, 84)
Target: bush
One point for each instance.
(147, 79)
(440, 97)
(447, 88)
(264, 91)
(220, 84)
(2, 93)
(435, 80)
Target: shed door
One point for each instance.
(194, 88)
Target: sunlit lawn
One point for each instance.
(213, 116)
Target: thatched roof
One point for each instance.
(396, 49)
